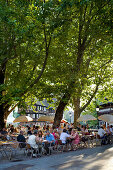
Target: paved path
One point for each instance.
(98, 158)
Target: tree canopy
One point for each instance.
(61, 49)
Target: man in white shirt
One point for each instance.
(64, 136)
(103, 136)
(101, 132)
(32, 141)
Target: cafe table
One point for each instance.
(7, 148)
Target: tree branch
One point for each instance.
(92, 96)
(13, 108)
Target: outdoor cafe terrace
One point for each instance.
(79, 138)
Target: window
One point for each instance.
(33, 116)
(44, 108)
(38, 108)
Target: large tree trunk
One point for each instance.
(2, 124)
(2, 77)
(77, 111)
(60, 109)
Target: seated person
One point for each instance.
(39, 137)
(56, 135)
(32, 140)
(36, 129)
(85, 130)
(79, 127)
(29, 131)
(50, 138)
(40, 134)
(111, 129)
(4, 134)
(50, 141)
(21, 138)
(64, 136)
(108, 130)
(12, 129)
(75, 138)
(109, 133)
(87, 126)
(102, 134)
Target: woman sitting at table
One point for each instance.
(108, 130)
(84, 133)
(75, 138)
(56, 136)
(108, 134)
(39, 138)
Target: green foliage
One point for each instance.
(79, 53)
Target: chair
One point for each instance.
(111, 139)
(60, 146)
(22, 147)
(51, 148)
(41, 149)
(90, 141)
(9, 149)
(14, 148)
(81, 143)
(2, 151)
(30, 150)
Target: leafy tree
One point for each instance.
(91, 54)
(27, 29)
(81, 58)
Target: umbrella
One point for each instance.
(46, 119)
(106, 118)
(86, 118)
(23, 118)
(63, 121)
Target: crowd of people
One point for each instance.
(104, 133)
(47, 136)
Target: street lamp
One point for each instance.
(70, 116)
(97, 110)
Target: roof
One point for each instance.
(45, 103)
(107, 110)
(106, 104)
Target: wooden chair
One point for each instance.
(60, 147)
(30, 150)
(11, 149)
(51, 148)
(14, 148)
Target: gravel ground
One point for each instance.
(98, 158)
